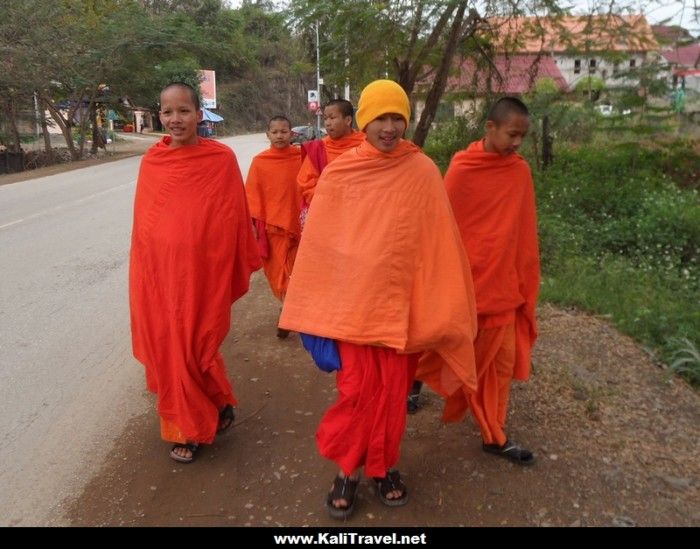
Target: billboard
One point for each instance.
(207, 85)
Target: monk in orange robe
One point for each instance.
(317, 154)
(192, 254)
(492, 195)
(381, 270)
(274, 200)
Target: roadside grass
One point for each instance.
(620, 238)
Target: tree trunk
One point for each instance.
(63, 124)
(47, 137)
(459, 31)
(407, 70)
(12, 119)
(97, 139)
(547, 143)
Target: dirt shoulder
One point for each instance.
(617, 444)
(123, 147)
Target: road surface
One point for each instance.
(67, 377)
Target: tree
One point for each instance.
(404, 40)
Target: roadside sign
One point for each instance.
(312, 100)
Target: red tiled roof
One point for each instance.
(513, 74)
(670, 34)
(686, 56)
(580, 33)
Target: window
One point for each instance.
(591, 66)
(577, 66)
(633, 63)
(616, 67)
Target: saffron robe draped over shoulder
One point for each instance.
(310, 170)
(192, 254)
(382, 263)
(493, 200)
(274, 199)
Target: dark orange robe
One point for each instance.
(365, 425)
(381, 264)
(493, 200)
(309, 172)
(274, 200)
(192, 254)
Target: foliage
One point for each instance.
(588, 84)
(686, 360)
(618, 237)
(453, 136)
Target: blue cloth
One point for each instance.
(324, 351)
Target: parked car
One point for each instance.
(300, 134)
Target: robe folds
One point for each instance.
(192, 254)
(381, 263)
(274, 200)
(315, 161)
(365, 425)
(493, 200)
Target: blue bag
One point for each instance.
(324, 351)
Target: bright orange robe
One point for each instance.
(192, 254)
(309, 173)
(274, 199)
(493, 200)
(381, 263)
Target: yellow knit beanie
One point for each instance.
(382, 97)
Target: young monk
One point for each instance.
(317, 154)
(491, 191)
(378, 237)
(192, 254)
(274, 200)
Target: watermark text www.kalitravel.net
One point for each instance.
(351, 538)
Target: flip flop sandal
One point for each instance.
(511, 451)
(343, 488)
(391, 483)
(192, 447)
(226, 418)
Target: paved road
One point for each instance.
(67, 378)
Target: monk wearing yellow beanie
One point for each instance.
(382, 272)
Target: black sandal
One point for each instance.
(226, 418)
(391, 483)
(343, 488)
(191, 446)
(511, 451)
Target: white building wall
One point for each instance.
(604, 68)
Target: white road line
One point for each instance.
(66, 205)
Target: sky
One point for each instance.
(681, 12)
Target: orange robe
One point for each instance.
(274, 200)
(309, 172)
(381, 264)
(493, 200)
(192, 254)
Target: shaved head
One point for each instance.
(505, 107)
(193, 93)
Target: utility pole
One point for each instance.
(318, 83)
(347, 75)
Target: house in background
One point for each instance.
(604, 46)
(566, 49)
(472, 82)
(684, 66)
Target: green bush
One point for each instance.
(451, 137)
(619, 237)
